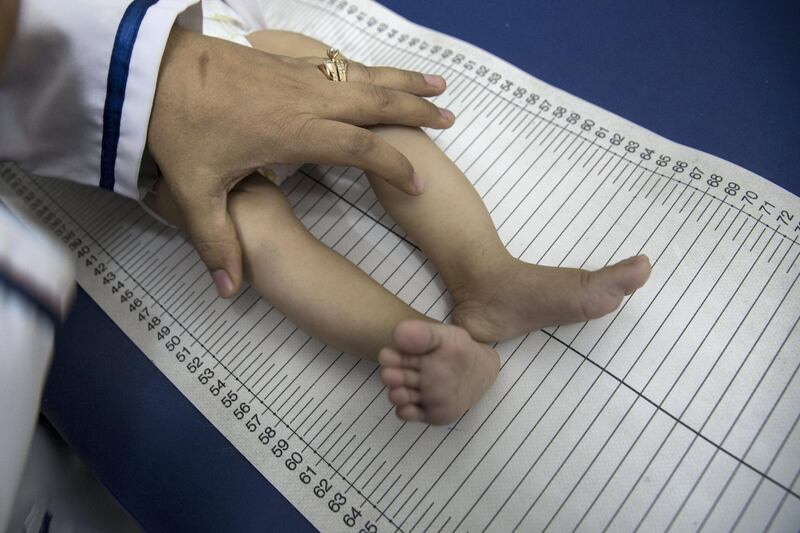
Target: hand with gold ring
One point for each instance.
(222, 110)
(335, 67)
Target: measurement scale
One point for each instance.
(677, 412)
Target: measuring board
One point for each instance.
(677, 412)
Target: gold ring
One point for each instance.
(335, 67)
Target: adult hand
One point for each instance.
(222, 110)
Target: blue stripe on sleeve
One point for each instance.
(115, 90)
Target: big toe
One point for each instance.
(604, 289)
(418, 336)
(629, 274)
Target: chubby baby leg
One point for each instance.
(434, 372)
(496, 296)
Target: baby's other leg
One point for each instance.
(496, 296)
(437, 370)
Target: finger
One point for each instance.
(409, 81)
(394, 78)
(363, 104)
(334, 143)
(213, 235)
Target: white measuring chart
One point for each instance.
(677, 412)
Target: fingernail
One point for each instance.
(419, 185)
(223, 283)
(447, 114)
(434, 80)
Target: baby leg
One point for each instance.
(496, 296)
(435, 371)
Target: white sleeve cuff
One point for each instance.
(54, 86)
(141, 87)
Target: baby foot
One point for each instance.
(522, 297)
(435, 372)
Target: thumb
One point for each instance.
(214, 236)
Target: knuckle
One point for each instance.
(365, 72)
(303, 130)
(415, 79)
(420, 110)
(361, 143)
(382, 98)
(403, 166)
(211, 248)
(428, 112)
(429, 107)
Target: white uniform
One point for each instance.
(76, 91)
(77, 87)
(36, 287)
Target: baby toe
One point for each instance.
(410, 413)
(417, 336)
(388, 357)
(397, 377)
(400, 396)
(636, 272)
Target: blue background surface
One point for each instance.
(719, 76)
